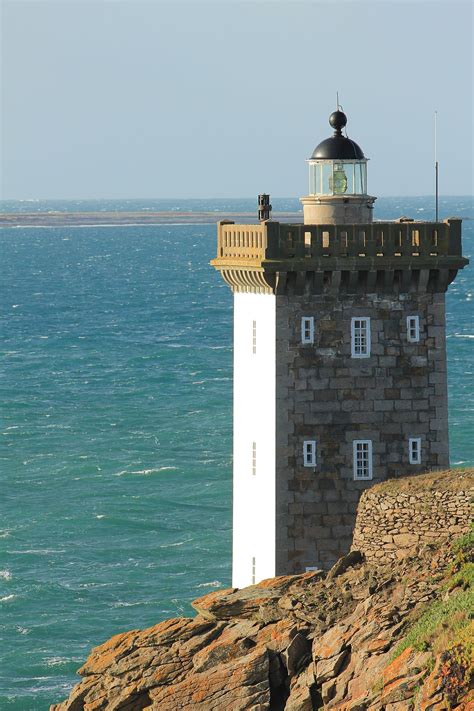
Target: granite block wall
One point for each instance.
(326, 395)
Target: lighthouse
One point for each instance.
(339, 362)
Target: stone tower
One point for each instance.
(339, 362)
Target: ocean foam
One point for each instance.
(145, 472)
(213, 584)
(56, 661)
(175, 545)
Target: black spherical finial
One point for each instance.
(338, 147)
(338, 120)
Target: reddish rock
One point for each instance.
(297, 652)
(293, 643)
(300, 698)
(432, 693)
(260, 602)
(332, 642)
(329, 668)
(242, 684)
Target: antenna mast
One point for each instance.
(436, 163)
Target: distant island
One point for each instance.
(65, 219)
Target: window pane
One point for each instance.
(363, 173)
(309, 453)
(312, 179)
(348, 171)
(414, 450)
(327, 178)
(357, 180)
(362, 459)
(360, 337)
(413, 328)
(307, 329)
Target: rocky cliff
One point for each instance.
(387, 634)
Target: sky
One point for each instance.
(151, 99)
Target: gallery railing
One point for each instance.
(281, 241)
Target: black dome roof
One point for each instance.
(338, 146)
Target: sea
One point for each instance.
(116, 415)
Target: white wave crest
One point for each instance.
(39, 551)
(174, 545)
(213, 584)
(56, 661)
(145, 472)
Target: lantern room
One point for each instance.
(337, 180)
(338, 165)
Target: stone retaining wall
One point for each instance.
(393, 521)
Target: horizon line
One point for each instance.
(276, 197)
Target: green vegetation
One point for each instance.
(463, 578)
(456, 665)
(442, 621)
(446, 628)
(464, 546)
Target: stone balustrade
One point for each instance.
(281, 241)
(248, 242)
(283, 258)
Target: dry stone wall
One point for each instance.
(392, 522)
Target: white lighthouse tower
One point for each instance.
(255, 412)
(339, 362)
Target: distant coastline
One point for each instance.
(127, 219)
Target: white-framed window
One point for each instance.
(254, 566)
(307, 329)
(310, 453)
(360, 337)
(254, 458)
(254, 337)
(413, 329)
(414, 450)
(362, 457)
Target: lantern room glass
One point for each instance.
(332, 177)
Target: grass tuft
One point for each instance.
(446, 622)
(443, 618)
(465, 544)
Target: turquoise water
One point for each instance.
(116, 432)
